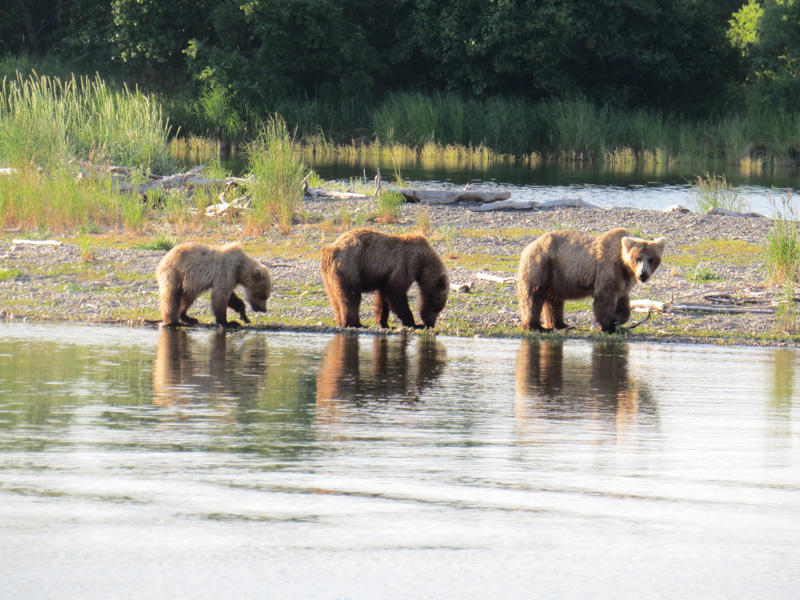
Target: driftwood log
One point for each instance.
(452, 196)
(532, 204)
(323, 193)
(673, 307)
(716, 210)
(495, 278)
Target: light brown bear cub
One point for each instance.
(567, 265)
(369, 261)
(190, 269)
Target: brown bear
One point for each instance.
(190, 269)
(566, 265)
(363, 260)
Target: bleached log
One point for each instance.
(504, 204)
(323, 193)
(716, 210)
(731, 310)
(565, 203)
(452, 196)
(495, 278)
(37, 242)
(649, 305)
(170, 181)
(8, 171)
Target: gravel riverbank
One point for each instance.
(109, 279)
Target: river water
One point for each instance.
(629, 185)
(143, 464)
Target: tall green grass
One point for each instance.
(783, 246)
(46, 121)
(714, 191)
(277, 170)
(30, 200)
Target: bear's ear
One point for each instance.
(661, 242)
(628, 243)
(443, 282)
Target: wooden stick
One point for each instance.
(495, 278)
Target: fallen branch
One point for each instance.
(631, 326)
(730, 310)
(495, 278)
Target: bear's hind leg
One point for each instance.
(184, 305)
(381, 310)
(553, 314)
(530, 308)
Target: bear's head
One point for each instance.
(433, 297)
(257, 287)
(642, 256)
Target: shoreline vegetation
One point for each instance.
(44, 117)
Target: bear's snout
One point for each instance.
(644, 277)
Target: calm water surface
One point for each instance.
(653, 187)
(147, 464)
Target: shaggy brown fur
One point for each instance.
(566, 265)
(190, 269)
(367, 261)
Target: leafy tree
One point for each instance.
(768, 35)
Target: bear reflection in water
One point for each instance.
(550, 386)
(393, 370)
(225, 368)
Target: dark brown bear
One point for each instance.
(190, 269)
(369, 261)
(567, 265)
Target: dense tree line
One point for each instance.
(681, 55)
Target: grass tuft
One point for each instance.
(783, 248)
(713, 191)
(277, 169)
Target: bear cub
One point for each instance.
(363, 260)
(190, 269)
(567, 265)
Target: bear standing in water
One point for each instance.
(567, 265)
(369, 261)
(190, 269)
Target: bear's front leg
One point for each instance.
(605, 311)
(219, 307)
(398, 303)
(623, 311)
(237, 304)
